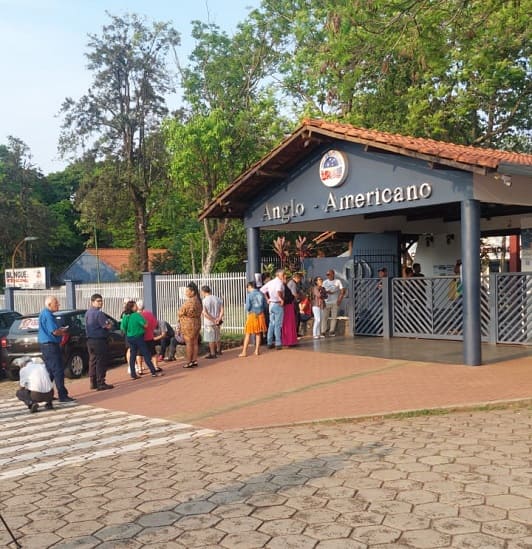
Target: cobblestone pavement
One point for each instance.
(458, 480)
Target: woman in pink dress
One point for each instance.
(289, 329)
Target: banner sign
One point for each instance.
(33, 278)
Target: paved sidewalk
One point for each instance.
(462, 480)
(301, 385)
(257, 466)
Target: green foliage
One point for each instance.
(118, 120)
(231, 119)
(446, 69)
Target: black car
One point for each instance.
(7, 318)
(22, 341)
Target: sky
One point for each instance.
(42, 61)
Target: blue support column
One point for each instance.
(470, 226)
(150, 293)
(253, 242)
(9, 298)
(70, 289)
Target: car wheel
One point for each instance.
(13, 374)
(75, 365)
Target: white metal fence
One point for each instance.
(231, 287)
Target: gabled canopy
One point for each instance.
(277, 164)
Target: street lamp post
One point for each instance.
(25, 239)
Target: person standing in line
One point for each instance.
(213, 313)
(189, 316)
(149, 333)
(255, 321)
(274, 292)
(35, 384)
(335, 295)
(49, 338)
(295, 286)
(133, 325)
(97, 326)
(289, 328)
(318, 297)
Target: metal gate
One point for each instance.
(369, 305)
(513, 307)
(432, 308)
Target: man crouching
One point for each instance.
(35, 383)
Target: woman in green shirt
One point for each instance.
(133, 325)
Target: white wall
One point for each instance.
(438, 258)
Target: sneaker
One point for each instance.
(316, 337)
(105, 387)
(34, 407)
(157, 374)
(67, 399)
(271, 346)
(332, 334)
(49, 406)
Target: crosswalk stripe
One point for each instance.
(75, 434)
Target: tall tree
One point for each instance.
(21, 211)
(448, 69)
(117, 120)
(231, 118)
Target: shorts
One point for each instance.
(211, 334)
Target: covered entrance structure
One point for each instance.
(380, 187)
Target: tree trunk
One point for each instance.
(141, 236)
(214, 232)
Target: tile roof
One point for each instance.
(118, 258)
(274, 166)
(463, 154)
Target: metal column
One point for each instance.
(253, 241)
(470, 226)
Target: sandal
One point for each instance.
(188, 365)
(194, 363)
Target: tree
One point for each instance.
(448, 69)
(21, 211)
(117, 121)
(231, 119)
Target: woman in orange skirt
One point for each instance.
(255, 322)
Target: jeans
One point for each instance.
(51, 354)
(276, 324)
(316, 311)
(137, 344)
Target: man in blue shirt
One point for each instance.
(49, 338)
(97, 326)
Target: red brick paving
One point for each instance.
(297, 385)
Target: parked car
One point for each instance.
(7, 318)
(22, 341)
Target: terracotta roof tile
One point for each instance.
(118, 258)
(232, 201)
(477, 156)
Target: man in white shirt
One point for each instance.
(213, 313)
(335, 295)
(274, 292)
(35, 384)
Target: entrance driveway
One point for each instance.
(329, 379)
